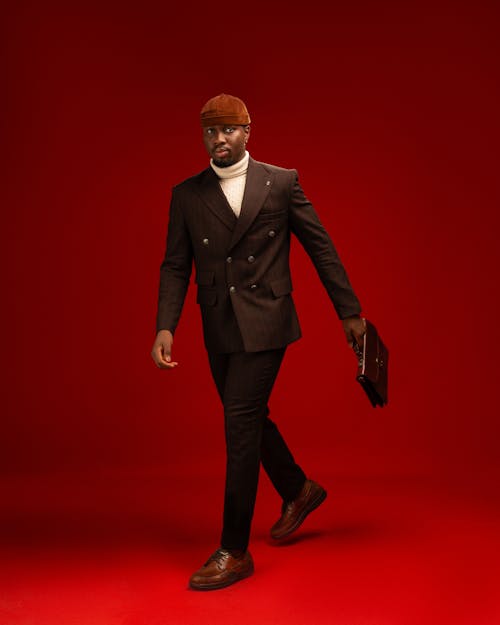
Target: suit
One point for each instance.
(242, 264)
(244, 290)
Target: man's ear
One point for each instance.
(247, 132)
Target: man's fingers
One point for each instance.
(355, 330)
(166, 361)
(350, 337)
(167, 365)
(162, 357)
(161, 352)
(359, 339)
(166, 354)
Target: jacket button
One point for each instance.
(232, 289)
(271, 234)
(251, 259)
(205, 241)
(253, 286)
(229, 259)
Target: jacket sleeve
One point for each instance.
(175, 269)
(306, 226)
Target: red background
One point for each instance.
(389, 111)
(390, 115)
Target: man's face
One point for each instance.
(226, 144)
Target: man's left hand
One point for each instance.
(354, 329)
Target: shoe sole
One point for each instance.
(320, 498)
(232, 580)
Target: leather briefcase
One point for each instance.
(373, 360)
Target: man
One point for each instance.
(234, 219)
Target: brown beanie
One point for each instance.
(224, 109)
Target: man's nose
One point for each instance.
(219, 138)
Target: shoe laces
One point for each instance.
(219, 555)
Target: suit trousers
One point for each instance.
(244, 382)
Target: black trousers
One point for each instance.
(244, 381)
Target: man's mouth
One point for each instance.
(221, 152)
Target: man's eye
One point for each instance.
(228, 129)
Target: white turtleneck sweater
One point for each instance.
(232, 180)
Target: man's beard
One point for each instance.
(223, 163)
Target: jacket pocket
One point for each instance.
(205, 278)
(272, 215)
(281, 287)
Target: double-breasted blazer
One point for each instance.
(244, 285)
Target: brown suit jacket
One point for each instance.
(242, 264)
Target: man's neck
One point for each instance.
(236, 169)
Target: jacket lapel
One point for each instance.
(211, 193)
(257, 187)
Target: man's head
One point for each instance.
(226, 128)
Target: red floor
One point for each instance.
(118, 549)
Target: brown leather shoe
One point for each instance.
(222, 569)
(294, 512)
